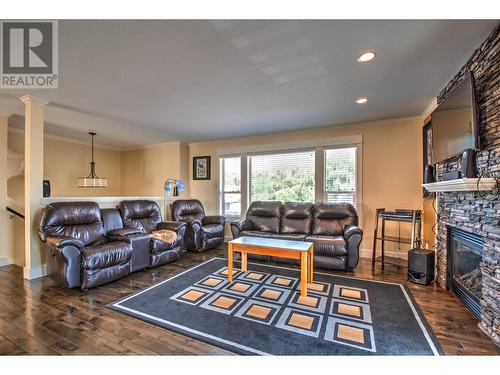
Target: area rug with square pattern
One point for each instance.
(262, 312)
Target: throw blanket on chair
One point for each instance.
(164, 235)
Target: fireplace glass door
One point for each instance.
(465, 279)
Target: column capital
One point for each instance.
(6, 114)
(31, 98)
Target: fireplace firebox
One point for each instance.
(464, 271)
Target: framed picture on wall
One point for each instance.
(201, 168)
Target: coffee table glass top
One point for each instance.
(273, 243)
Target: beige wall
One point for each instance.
(392, 172)
(145, 170)
(15, 185)
(64, 162)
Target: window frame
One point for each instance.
(319, 146)
(221, 189)
(357, 155)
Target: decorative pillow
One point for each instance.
(164, 235)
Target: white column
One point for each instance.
(33, 184)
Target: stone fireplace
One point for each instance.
(476, 213)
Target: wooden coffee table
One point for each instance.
(303, 251)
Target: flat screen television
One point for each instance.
(455, 122)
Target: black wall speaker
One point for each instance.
(421, 266)
(429, 174)
(469, 169)
(46, 188)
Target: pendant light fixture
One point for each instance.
(92, 181)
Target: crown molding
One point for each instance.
(153, 145)
(31, 98)
(430, 108)
(69, 140)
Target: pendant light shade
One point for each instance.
(92, 181)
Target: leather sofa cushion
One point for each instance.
(255, 233)
(212, 231)
(168, 256)
(158, 246)
(329, 246)
(106, 255)
(187, 210)
(111, 219)
(296, 217)
(333, 263)
(210, 243)
(331, 219)
(290, 237)
(141, 214)
(92, 278)
(79, 220)
(265, 216)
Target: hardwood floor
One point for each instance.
(38, 317)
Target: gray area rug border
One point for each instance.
(229, 345)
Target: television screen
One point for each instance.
(454, 122)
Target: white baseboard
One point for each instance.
(5, 261)
(35, 272)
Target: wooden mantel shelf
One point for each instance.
(462, 184)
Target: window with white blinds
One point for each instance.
(230, 192)
(340, 175)
(283, 176)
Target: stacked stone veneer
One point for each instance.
(478, 212)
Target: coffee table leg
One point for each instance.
(230, 262)
(303, 274)
(244, 261)
(311, 264)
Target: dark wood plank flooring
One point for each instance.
(40, 318)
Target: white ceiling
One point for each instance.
(143, 82)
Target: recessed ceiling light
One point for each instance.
(361, 100)
(365, 57)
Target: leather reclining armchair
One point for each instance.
(78, 252)
(202, 232)
(133, 221)
(333, 228)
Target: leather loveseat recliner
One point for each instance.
(202, 232)
(333, 228)
(89, 247)
(78, 252)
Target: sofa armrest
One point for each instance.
(214, 219)
(353, 235)
(239, 226)
(123, 232)
(351, 230)
(63, 241)
(130, 238)
(171, 225)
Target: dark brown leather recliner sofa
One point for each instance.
(87, 247)
(333, 228)
(202, 232)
